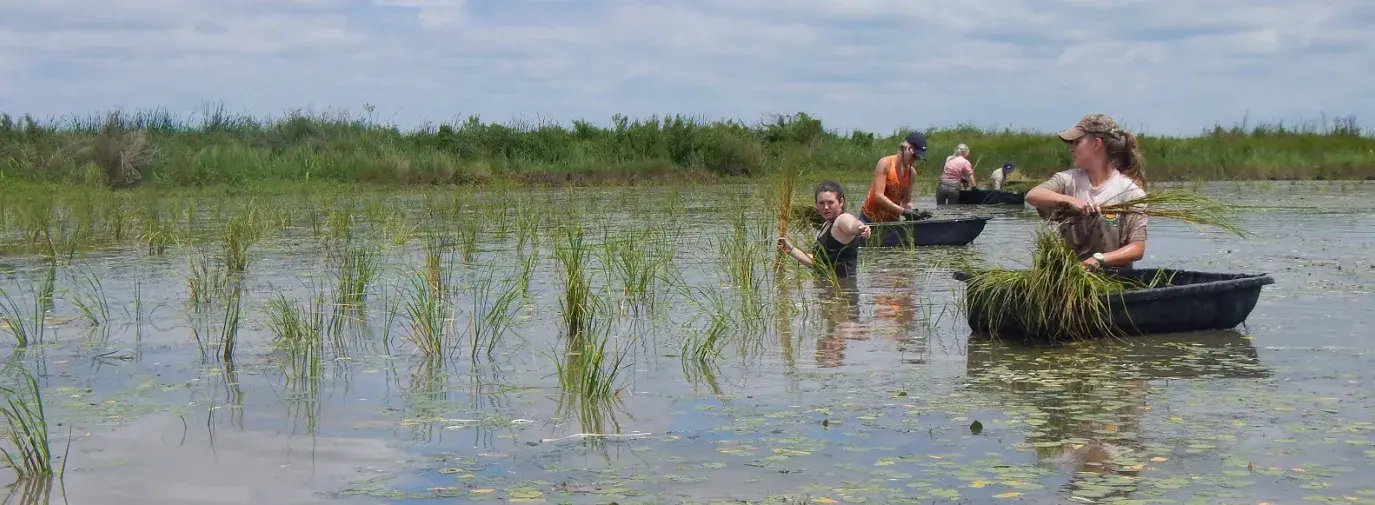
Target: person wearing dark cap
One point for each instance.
(890, 191)
(1000, 175)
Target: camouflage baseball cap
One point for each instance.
(1090, 123)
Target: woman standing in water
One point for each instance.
(890, 190)
(835, 243)
(1108, 170)
(955, 176)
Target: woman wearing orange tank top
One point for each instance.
(890, 191)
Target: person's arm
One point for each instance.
(907, 195)
(879, 183)
(969, 167)
(1050, 195)
(786, 246)
(847, 227)
(1135, 248)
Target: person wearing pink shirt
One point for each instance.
(957, 174)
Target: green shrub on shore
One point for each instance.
(158, 149)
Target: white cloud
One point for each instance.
(1170, 66)
(431, 13)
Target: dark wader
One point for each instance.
(948, 193)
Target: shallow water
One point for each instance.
(861, 398)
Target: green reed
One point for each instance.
(356, 268)
(740, 252)
(299, 332)
(157, 230)
(426, 310)
(704, 345)
(630, 259)
(527, 228)
(206, 281)
(589, 369)
(528, 262)
(467, 238)
(229, 327)
(241, 231)
(576, 301)
(491, 315)
(90, 300)
(30, 455)
(25, 323)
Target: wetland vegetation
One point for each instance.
(303, 338)
(216, 147)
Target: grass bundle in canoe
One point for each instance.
(1057, 297)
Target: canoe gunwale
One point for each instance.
(956, 231)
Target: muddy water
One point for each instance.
(866, 396)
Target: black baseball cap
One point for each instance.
(918, 142)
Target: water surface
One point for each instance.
(865, 396)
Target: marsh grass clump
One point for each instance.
(299, 333)
(206, 282)
(355, 270)
(1055, 297)
(637, 259)
(1188, 207)
(590, 369)
(492, 313)
(427, 313)
(229, 327)
(577, 302)
(26, 421)
(704, 344)
(241, 231)
(121, 154)
(25, 324)
(90, 298)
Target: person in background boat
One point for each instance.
(1000, 175)
(1108, 170)
(835, 242)
(957, 174)
(890, 190)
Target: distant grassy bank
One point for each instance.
(159, 150)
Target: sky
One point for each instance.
(1165, 67)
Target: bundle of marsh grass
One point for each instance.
(1185, 206)
(1057, 298)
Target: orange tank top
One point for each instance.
(893, 187)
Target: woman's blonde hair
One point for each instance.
(961, 149)
(1124, 151)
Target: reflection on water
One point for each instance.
(1086, 402)
(857, 391)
